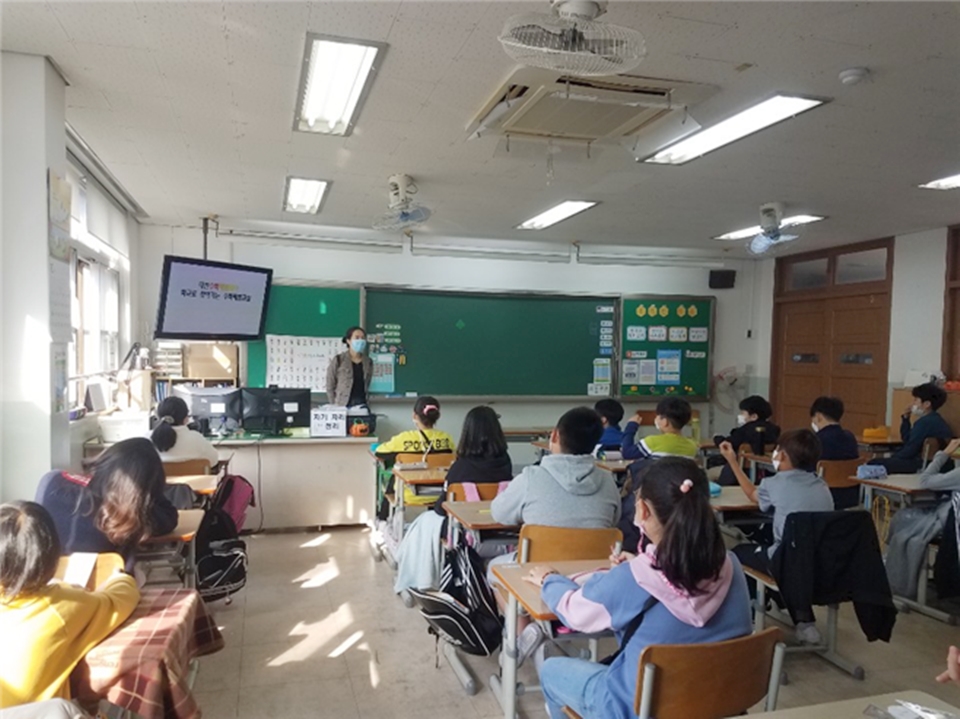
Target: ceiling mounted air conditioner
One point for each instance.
(535, 103)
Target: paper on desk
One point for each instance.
(80, 567)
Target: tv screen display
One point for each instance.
(206, 300)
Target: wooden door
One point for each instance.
(803, 349)
(857, 371)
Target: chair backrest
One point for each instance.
(539, 543)
(837, 472)
(931, 445)
(433, 460)
(487, 491)
(107, 564)
(708, 681)
(185, 467)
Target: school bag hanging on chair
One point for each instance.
(221, 557)
(463, 611)
(234, 494)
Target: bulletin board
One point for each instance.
(666, 346)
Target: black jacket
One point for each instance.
(477, 470)
(837, 443)
(755, 434)
(833, 557)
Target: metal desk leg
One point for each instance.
(190, 570)
(505, 690)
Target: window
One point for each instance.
(808, 275)
(865, 266)
(95, 317)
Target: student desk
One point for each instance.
(616, 466)
(153, 553)
(902, 490)
(876, 446)
(415, 478)
(541, 447)
(526, 434)
(521, 593)
(203, 484)
(148, 664)
(473, 515)
(758, 460)
(854, 708)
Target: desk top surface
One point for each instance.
(527, 431)
(186, 529)
(854, 708)
(199, 483)
(541, 444)
(617, 466)
(511, 576)
(430, 476)
(905, 483)
(473, 515)
(732, 498)
(758, 458)
(879, 440)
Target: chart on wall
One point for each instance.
(666, 346)
(300, 361)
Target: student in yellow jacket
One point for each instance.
(47, 628)
(420, 441)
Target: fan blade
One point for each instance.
(786, 238)
(760, 244)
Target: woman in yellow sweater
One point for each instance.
(47, 628)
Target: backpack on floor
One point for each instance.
(221, 557)
(463, 611)
(234, 494)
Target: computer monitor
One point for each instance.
(273, 409)
(217, 410)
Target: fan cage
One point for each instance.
(573, 45)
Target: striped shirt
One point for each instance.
(656, 445)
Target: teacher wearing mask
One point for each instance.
(350, 372)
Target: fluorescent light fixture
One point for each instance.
(623, 256)
(753, 119)
(334, 81)
(559, 213)
(493, 250)
(756, 230)
(388, 245)
(304, 195)
(944, 183)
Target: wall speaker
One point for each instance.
(722, 279)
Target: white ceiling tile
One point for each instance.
(102, 23)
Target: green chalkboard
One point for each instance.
(460, 343)
(666, 346)
(304, 311)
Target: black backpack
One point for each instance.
(463, 611)
(221, 557)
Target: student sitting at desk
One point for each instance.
(174, 440)
(116, 506)
(47, 628)
(423, 439)
(684, 588)
(754, 429)
(836, 443)
(482, 458)
(611, 414)
(794, 488)
(673, 414)
(927, 399)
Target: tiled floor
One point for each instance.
(318, 633)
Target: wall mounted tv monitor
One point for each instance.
(206, 300)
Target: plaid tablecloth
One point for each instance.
(143, 665)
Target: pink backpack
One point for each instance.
(234, 494)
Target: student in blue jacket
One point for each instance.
(688, 587)
(927, 399)
(611, 414)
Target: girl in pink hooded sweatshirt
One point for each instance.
(685, 587)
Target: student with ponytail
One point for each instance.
(423, 438)
(683, 588)
(174, 440)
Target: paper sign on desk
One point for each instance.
(328, 421)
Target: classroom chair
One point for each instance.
(931, 445)
(185, 467)
(107, 564)
(708, 681)
(837, 474)
(433, 460)
(539, 543)
(176, 551)
(828, 558)
(487, 490)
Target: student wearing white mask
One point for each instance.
(350, 372)
(794, 488)
(754, 429)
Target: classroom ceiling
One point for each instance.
(190, 106)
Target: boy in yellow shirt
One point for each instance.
(47, 628)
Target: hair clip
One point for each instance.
(686, 485)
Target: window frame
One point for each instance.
(950, 361)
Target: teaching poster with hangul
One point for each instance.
(300, 361)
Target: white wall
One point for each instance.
(33, 140)
(734, 315)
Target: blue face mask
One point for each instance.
(358, 345)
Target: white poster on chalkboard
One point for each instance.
(300, 361)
